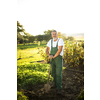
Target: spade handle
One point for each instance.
(49, 72)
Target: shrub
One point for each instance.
(43, 53)
(32, 74)
(21, 96)
(73, 54)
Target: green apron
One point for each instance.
(56, 65)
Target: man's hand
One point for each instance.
(51, 56)
(58, 52)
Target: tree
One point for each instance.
(59, 34)
(63, 36)
(21, 41)
(70, 38)
(22, 36)
(31, 39)
(27, 34)
(48, 32)
(28, 37)
(20, 31)
(20, 28)
(39, 38)
(47, 35)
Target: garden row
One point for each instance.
(31, 74)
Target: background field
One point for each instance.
(28, 53)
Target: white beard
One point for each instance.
(55, 38)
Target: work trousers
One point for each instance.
(57, 65)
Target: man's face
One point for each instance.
(54, 35)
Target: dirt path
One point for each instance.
(72, 83)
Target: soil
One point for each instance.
(72, 85)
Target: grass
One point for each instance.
(31, 74)
(21, 96)
(28, 53)
(29, 46)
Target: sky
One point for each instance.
(65, 16)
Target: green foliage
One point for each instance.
(31, 39)
(73, 54)
(47, 35)
(59, 34)
(31, 74)
(48, 32)
(81, 96)
(20, 30)
(29, 46)
(82, 44)
(21, 40)
(43, 53)
(19, 27)
(22, 36)
(21, 96)
(39, 38)
(27, 34)
(71, 38)
(28, 72)
(63, 36)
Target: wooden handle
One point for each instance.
(49, 72)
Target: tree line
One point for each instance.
(24, 37)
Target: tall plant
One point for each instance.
(73, 54)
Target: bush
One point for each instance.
(32, 74)
(44, 55)
(21, 41)
(21, 96)
(73, 54)
(82, 44)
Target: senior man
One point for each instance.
(55, 46)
